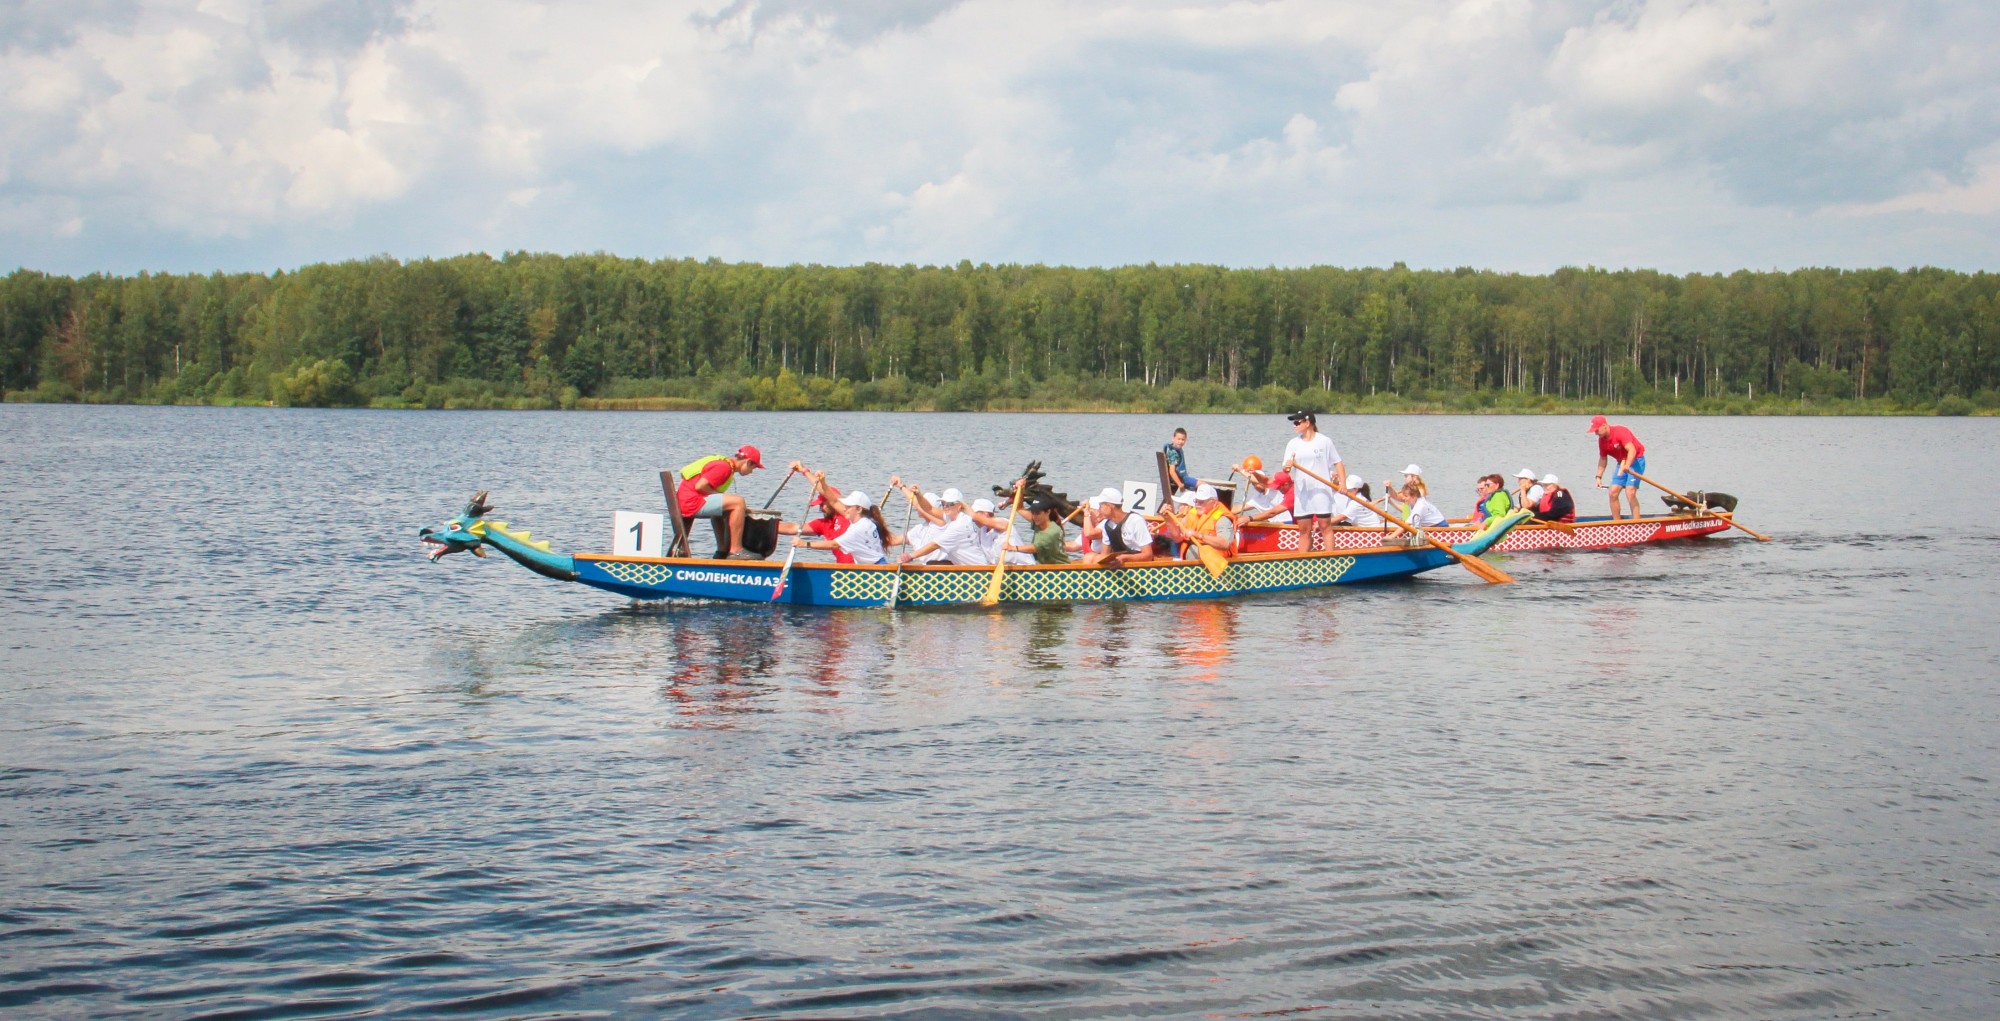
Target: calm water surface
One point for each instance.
(257, 759)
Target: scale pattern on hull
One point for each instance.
(1587, 536)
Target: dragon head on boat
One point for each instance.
(470, 532)
(463, 534)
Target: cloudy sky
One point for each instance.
(1684, 135)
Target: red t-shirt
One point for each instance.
(1612, 444)
(691, 499)
(830, 528)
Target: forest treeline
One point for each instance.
(543, 331)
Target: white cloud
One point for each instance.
(1119, 131)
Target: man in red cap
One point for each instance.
(1616, 441)
(704, 493)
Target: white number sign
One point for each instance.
(1141, 497)
(634, 534)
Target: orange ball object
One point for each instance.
(1253, 463)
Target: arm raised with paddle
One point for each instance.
(1477, 566)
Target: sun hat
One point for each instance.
(1111, 494)
(1302, 416)
(1037, 503)
(1548, 480)
(983, 505)
(1184, 498)
(951, 496)
(756, 456)
(1413, 470)
(1282, 480)
(1595, 423)
(1206, 492)
(858, 498)
(1525, 473)
(931, 498)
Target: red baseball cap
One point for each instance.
(1594, 423)
(756, 456)
(1282, 480)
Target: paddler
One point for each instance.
(1526, 492)
(1047, 547)
(704, 493)
(1202, 519)
(1616, 441)
(830, 523)
(958, 537)
(1312, 502)
(1492, 501)
(1121, 536)
(1556, 504)
(1267, 499)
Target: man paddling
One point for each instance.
(1312, 501)
(704, 493)
(1616, 441)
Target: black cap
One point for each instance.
(1302, 416)
(1036, 503)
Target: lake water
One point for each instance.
(258, 759)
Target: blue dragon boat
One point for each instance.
(824, 584)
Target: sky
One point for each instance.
(1514, 135)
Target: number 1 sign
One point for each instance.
(635, 534)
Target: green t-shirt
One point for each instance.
(1049, 545)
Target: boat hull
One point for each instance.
(1587, 533)
(854, 585)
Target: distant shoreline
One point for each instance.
(1761, 408)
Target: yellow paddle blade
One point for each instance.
(1212, 559)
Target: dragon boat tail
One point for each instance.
(824, 584)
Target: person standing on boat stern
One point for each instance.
(862, 539)
(1047, 547)
(1177, 461)
(1616, 441)
(1312, 501)
(704, 493)
(1493, 501)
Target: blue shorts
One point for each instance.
(710, 508)
(1626, 478)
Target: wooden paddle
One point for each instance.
(1477, 566)
(992, 595)
(1731, 518)
(896, 583)
(789, 472)
(785, 572)
(1211, 558)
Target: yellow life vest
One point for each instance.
(696, 467)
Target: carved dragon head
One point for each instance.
(463, 534)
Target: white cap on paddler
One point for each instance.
(1548, 480)
(1109, 496)
(1205, 492)
(857, 499)
(983, 505)
(931, 498)
(1413, 470)
(951, 496)
(1525, 473)
(1185, 498)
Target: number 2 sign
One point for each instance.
(635, 534)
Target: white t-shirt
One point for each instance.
(1258, 502)
(962, 542)
(1534, 496)
(1134, 531)
(1424, 513)
(1357, 513)
(1316, 455)
(861, 541)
